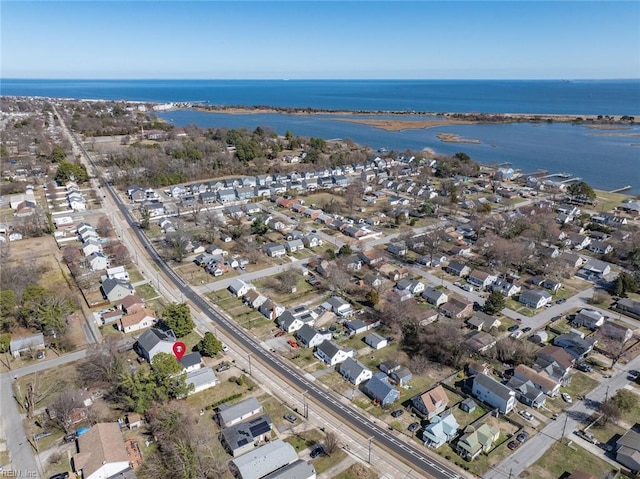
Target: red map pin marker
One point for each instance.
(179, 349)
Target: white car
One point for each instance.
(566, 397)
(225, 348)
(527, 415)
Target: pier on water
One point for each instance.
(619, 190)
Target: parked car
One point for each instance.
(584, 368)
(587, 436)
(60, 475)
(397, 413)
(555, 416)
(223, 367)
(561, 301)
(526, 330)
(555, 318)
(225, 348)
(515, 327)
(290, 417)
(69, 437)
(523, 436)
(316, 451)
(566, 397)
(468, 287)
(513, 445)
(527, 415)
(292, 343)
(413, 426)
(279, 333)
(40, 355)
(633, 374)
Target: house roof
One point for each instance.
(191, 359)
(298, 469)
(241, 434)
(329, 348)
(534, 295)
(237, 285)
(558, 354)
(306, 333)
(446, 426)
(631, 439)
(355, 324)
(201, 377)
(228, 413)
(110, 284)
(379, 387)
(479, 340)
(150, 338)
(494, 386)
(101, 444)
(265, 459)
(26, 342)
(374, 339)
(131, 300)
(433, 294)
(137, 317)
(252, 295)
(539, 378)
(433, 398)
(352, 367)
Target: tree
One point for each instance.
(8, 309)
(609, 410)
(512, 351)
(625, 283)
(145, 218)
(177, 316)
(331, 254)
(581, 189)
(60, 410)
(625, 400)
(287, 281)
(330, 443)
(103, 365)
(68, 171)
(372, 296)
(495, 303)
(209, 345)
(258, 227)
(104, 227)
(169, 376)
(345, 250)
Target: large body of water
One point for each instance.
(605, 159)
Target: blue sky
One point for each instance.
(327, 39)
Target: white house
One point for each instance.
(98, 261)
(493, 393)
(354, 371)
(331, 354)
(101, 452)
(239, 288)
(143, 318)
(535, 298)
(118, 272)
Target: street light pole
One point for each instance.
(249, 356)
(369, 459)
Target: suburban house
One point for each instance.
(616, 331)
(389, 366)
(357, 326)
(294, 245)
(483, 322)
(312, 240)
(331, 354)
(534, 298)
(575, 343)
(629, 306)
(401, 376)
(588, 318)
(254, 299)
(101, 452)
(555, 362)
(245, 436)
(441, 430)
(493, 393)
(191, 362)
(116, 289)
(98, 261)
(481, 279)
(431, 403)
(339, 306)
(200, 379)
(293, 319)
(354, 371)
(24, 344)
(271, 310)
(141, 319)
(239, 288)
(476, 440)
(435, 297)
(262, 461)
(380, 390)
(505, 287)
(274, 250)
(118, 272)
(456, 308)
(154, 341)
(130, 304)
(457, 269)
(412, 285)
(628, 449)
(228, 414)
(309, 337)
(375, 341)
(540, 379)
(526, 392)
(595, 269)
(479, 341)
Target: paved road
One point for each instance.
(566, 423)
(19, 446)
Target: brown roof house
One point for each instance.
(457, 308)
(432, 403)
(101, 452)
(141, 319)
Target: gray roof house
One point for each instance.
(401, 376)
(589, 318)
(375, 340)
(534, 298)
(243, 437)
(154, 341)
(457, 269)
(354, 371)
(274, 250)
(228, 415)
(310, 337)
(201, 379)
(26, 343)
(380, 390)
(264, 460)
(116, 289)
(440, 431)
(298, 469)
(628, 450)
(493, 393)
(435, 297)
(332, 354)
(526, 392)
(575, 344)
(239, 288)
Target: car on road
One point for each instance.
(526, 330)
(279, 333)
(397, 413)
(458, 283)
(515, 327)
(606, 376)
(223, 367)
(566, 397)
(513, 445)
(468, 287)
(561, 301)
(314, 231)
(527, 415)
(413, 426)
(523, 436)
(555, 318)
(585, 368)
(317, 451)
(290, 417)
(225, 348)
(555, 416)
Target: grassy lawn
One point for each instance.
(323, 463)
(358, 471)
(302, 440)
(580, 385)
(49, 383)
(631, 416)
(561, 458)
(303, 357)
(608, 201)
(135, 276)
(146, 292)
(276, 410)
(217, 393)
(606, 432)
(464, 418)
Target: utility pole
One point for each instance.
(305, 405)
(369, 459)
(564, 428)
(249, 356)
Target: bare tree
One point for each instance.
(330, 443)
(103, 365)
(104, 227)
(287, 281)
(61, 409)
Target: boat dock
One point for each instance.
(624, 188)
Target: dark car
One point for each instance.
(290, 417)
(60, 475)
(513, 445)
(397, 413)
(316, 451)
(515, 327)
(526, 330)
(585, 368)
(523, 436)
(561, 301)
(70, 437)
(413, 426)
(555, 318)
